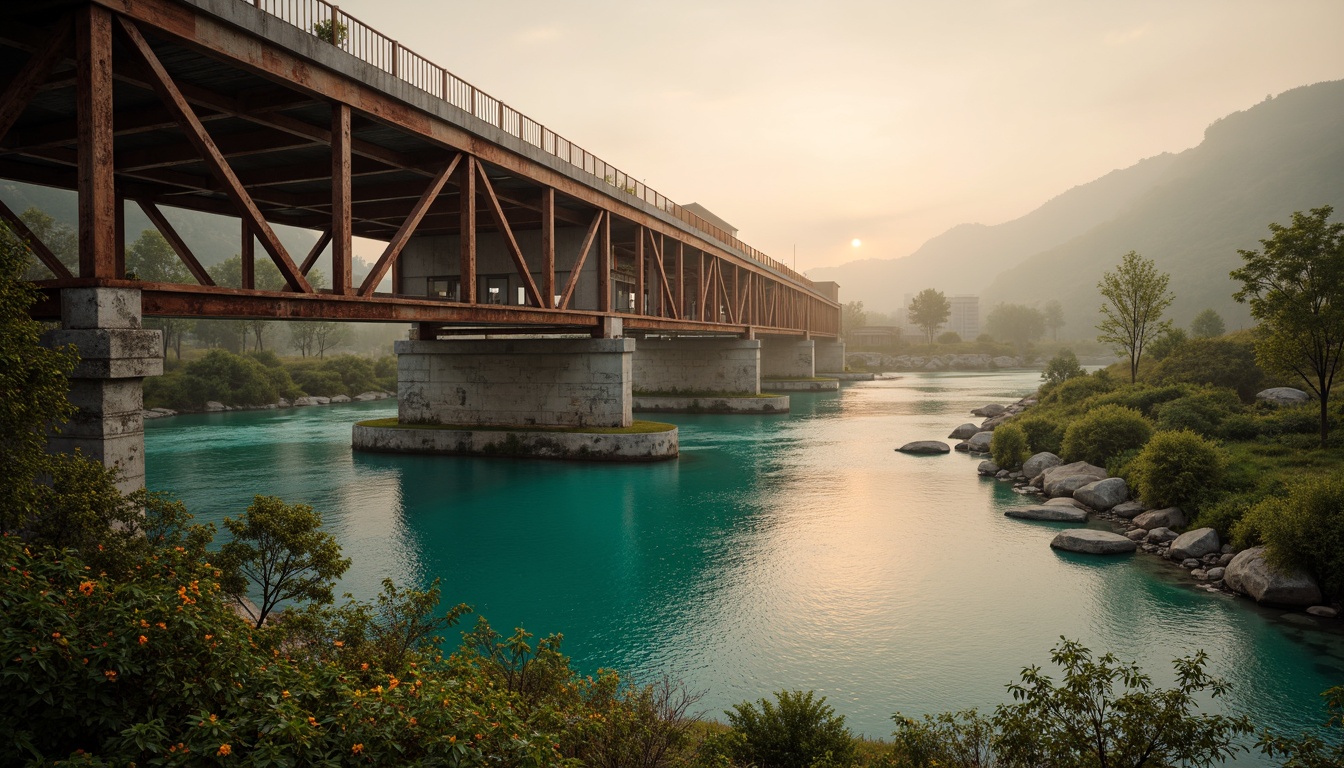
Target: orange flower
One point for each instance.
(338, 644)
(86, 588)
(285, 694)
(224, 750)
(364, 666)
(357, 749)
(110, 674)
(312, 721)
(55, 635)
(143, 639)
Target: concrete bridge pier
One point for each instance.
(115, 355)
(702, 374)
(788, 358)
(830, 356)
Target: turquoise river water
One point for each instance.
(794, 551)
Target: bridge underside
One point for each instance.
(216, 106)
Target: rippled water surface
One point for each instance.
(792, 551)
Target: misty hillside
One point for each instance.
(1188, 212)
(966, 258)
(1254, 167)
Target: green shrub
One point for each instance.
(1142, 397)
(1224, 514)
(1008, 447)
(1061, 368)
(320, 382)
(1043, 433)
(1179, 469)
(1201, 412)
(1304, 530)
(800, 732)
(948, 740)
(1104, 432)
(1222, 362)
(1078, 389)
(1122, 465)
(357, 373)
(1240, 426)
(231, 379)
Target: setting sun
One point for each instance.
(856, 242)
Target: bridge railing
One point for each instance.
(353, 36)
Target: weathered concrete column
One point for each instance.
(786, 358)
(830, 356)
(115, 355)
(523, 382)
(691, 365)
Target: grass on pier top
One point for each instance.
(635, 428)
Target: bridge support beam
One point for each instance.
(830, 356)
(115, 355)
(698, 365)
(515, 382)
(787, 358)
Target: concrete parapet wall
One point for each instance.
(703, 404)
(698, 365)
(581, 446)
(518, 382)
(830, 356)
(788, 358)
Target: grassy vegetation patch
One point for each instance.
(635, 428)
(705, 393)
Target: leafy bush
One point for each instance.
(1221, 362)
(1142, 397)
(1061, 368)
(1304, 530)
(1008, 447)
(319, 382)
(1078, 389)
(1201, 412)
(357, 373)
(228, 378)
(1167, 344)
(1240, 426)
(1179, 469)
(1224, 514)
(1104, 432)
(1043, 433)
(949, 740)
(801, 731)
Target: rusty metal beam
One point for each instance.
(604, 265)
(466, 253)
(230, 146)
(394, 248)
(172, 97)
(97, 185)
(39, 249)
(248, 256)
(506, 232)
(341, 232)
(21, 89)
(178, 245)
(574, 273)
(315, 252)
(548, 246)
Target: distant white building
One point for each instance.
(964, 319)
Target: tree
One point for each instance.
(1207, 325)
(1295, 287)
(853, 316)
(302, 336)
(801, 731)
(1167, 344)
(1054, 318)
(1084, 721)
(1017, 324)
(60, 239)
(1136, 296)
(152, 259)
(928, 310)
(328, 335)
(1061, 368)
(283, 551)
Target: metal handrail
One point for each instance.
(356, 38)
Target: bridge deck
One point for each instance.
(222, 107)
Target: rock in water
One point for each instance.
(925, 447)
(1103, 494)
(1064, 501)
(1249, 574)
(1160, 535)
(988, 468)
(1171, 517)
(991, 410)
(964, 431)
(1054, 514)
(1196, 543)
(1128, 510)
(1283, 396)
(1092, 542)
(1040, 462)
(1064, 479)
(979, 442)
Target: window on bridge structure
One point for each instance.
(623, 299)
(496, 290)
(445, 288)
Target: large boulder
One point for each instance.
(1249, 574)
(995, 421)
(1283, 396)
(1040, 462)
(925, 447)
(1064, 479)
(214, 406)
(1160, 535)
(1064, 501)
(1054, 514)
(979, 442)
(1171, 517)
(1103, 494)
(988, 468)
(1128, 510)
(964, 431)
(1196, 543)
(1093, 542)
(993, 409)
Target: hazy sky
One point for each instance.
(811, 124)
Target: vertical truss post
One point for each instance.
(640, 305)
(248, 256)
(97, 190)
(466, 255)
(680, 266)
(700, 286)
(548, 248)
(604, 266)
(119, 217)
(342, 243)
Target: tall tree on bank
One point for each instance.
(1208, 325)
(929, 310)
(152, 259)
(1054, 317)
(1136, 296)
(1017, 324)
(852, 316)
(1295, 288)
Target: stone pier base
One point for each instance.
(830, 356)
(788, 358)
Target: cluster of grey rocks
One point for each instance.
(1079, 492)
(876, 361)
(214, 406)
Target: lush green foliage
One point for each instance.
(1179, 469)
(1295, 288)
(1043, 433)
(1202, 411)
(1075, 390)
(1302, 529)
(1104, 432)
(1163, 346)
(947, 740)
(798, 730)
(1061, 368)
(261, 378)
(1222, 362)
(928, 310)
(1136, 296)
(1017, 324)
(1207, 325)
(1009, 447)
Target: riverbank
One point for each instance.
(215, 406)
